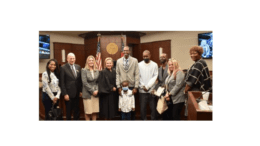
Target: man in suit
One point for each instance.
(162, 72)
(127, 69)
(71, 86)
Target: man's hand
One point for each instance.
(114, 89)
(152, 92)
(66, 97)
(133, 109)
(95, 93)
(80, 94)
(134, 91)
(119, 109)
(145, 89)
(119, 91)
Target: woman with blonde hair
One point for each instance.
(175, 88)
(90, 76)
(107, 86)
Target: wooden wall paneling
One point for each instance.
(153, 47)
(57, 51)
(132, 40)
(90, 47)
(136, 52)
(79, 52)
(41, 107)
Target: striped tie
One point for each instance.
(73, 71)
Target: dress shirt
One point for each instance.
(126, 62)
(126, 101)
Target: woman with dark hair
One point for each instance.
(50, 90)
(197, 78)
(107, 90)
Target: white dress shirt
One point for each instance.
(126, 101)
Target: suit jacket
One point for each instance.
(161, 77)
(176, 87)
(69, 84)
(132, 74)
(90, 84)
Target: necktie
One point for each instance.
(126, 64)
(73, 71)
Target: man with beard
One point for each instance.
(162, 75)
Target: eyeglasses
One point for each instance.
(125, 50)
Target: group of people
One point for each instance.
(113, 90)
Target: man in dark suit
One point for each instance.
(71, 86)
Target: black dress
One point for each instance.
(107, 97)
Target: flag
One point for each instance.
(122, 44)
(98, 57)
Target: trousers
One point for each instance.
(144, 99)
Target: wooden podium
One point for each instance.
(194, 113)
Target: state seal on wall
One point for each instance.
(112, 48)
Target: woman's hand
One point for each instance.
(167, 97)
(187, 88)
(95, 93)
(55, 100)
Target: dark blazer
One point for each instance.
(69, 84)
(161, 77)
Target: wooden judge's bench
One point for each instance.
(194, 113)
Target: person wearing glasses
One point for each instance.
(127, 69)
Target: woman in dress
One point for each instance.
(175, 86)
(107, 86)
(89, 76)
(51, 90)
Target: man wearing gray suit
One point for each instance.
(127, 69)
(162, 71)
